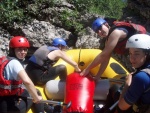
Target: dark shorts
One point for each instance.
(41, 76)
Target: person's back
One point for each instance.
(39, 64)
(39, 57)
(40, 67)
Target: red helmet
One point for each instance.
(19, 41)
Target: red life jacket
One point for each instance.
(131, 28)
(8, 87)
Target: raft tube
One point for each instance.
(85, 56)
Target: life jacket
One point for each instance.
(132, 29)
(8, 87)
(39, 58)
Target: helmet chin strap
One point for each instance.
(21, 60)
(147, 51)
(60, 47)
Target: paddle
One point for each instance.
(112, 107)
(116, 103)
(54, 102)
(121, 81)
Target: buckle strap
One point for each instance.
(9, 87)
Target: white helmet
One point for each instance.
(139, 41)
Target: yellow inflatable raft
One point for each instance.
(84, 57)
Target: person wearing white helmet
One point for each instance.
(137, 86)
(40, 67)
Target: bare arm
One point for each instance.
(104, 56)
(61, 54)
(29, 85)
(122, 103)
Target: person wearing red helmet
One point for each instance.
(18, 43)
(40, 67)
(14, 71)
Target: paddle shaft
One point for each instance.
(112, 107)
(117, 80)
(116, 103)
(53, 102)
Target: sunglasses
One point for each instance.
(99, 28)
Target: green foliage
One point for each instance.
(21, 11)
(48, 3)
(82, 5)
(10, 12)
(17, 10)
(69, 19)
(108, 8)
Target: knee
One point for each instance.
(114, 91)
(114, 88)
(62, 68)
